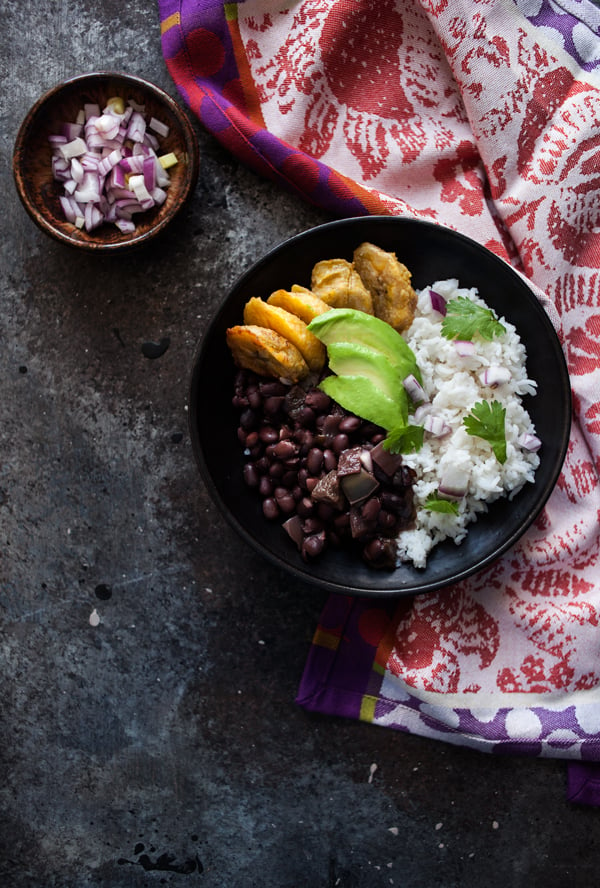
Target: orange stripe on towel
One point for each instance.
(170, 22)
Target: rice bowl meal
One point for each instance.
(376, 417)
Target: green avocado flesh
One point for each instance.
(354, 359)
(361, 396)
(351, 325)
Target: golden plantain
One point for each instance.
(265, 352)
(260, 313)
(300, 301)
(389, 282)
(337, 283)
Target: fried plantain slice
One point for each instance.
(300, 301)
(389, 282)
(265, 352)
(258, 312)
(337, 283)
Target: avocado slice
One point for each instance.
(362, 396)
(351, 325)
(355, 359)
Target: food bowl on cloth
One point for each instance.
(105, 161)
(432, 254)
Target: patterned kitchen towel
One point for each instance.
(484, 116)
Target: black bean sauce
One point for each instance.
(322, 471)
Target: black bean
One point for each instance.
(387, 520)
(288, 479)
(305, 507)
(287, 504)
(329, 460)
(314, 460)
(265, 487)
(248, 419)
(262, 465)
(370, 509)
(305, 417)
(302, 476)
(276, 470)
(251, 476)
(285, 450)
(273, 404)
(254, 399)
(312, 525)
(350, 424)
(304, 438)
(340, 442)
(270, 509)
(313, 545)
(318, 400)
(268, 435)
(272, 389)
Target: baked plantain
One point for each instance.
(389, 282)
(300, 301)
(260, 313)
(337, 283)
(265, 352)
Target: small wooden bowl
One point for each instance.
(32, 158)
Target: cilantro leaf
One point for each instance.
(465, 319)
(436, 504)
(404, 439)
(486, 420)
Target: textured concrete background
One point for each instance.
(163, 746)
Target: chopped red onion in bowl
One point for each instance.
(108, 164)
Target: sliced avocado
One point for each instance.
(351, 325)
(361, 396)
(355, 359)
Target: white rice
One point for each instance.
(453, 386)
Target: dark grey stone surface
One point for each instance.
(163, 746)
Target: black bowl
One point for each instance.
(432, 253)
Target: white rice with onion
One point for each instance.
(452, 384)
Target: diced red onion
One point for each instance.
(454, 483)
(137, 127)
(438, 303)
(530, 442)
(125, 225)
(55, 140)
(436, 426)
(464, 347)
(159, 195)
(68, 209)
(414, 388)
(495, 376)
(105, 178)
(159, 127)
(421, 412)
(366, 460)
(73, 149)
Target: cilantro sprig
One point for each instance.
(404, 439)
(436, 504)
(487, 420)
(466, 319)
